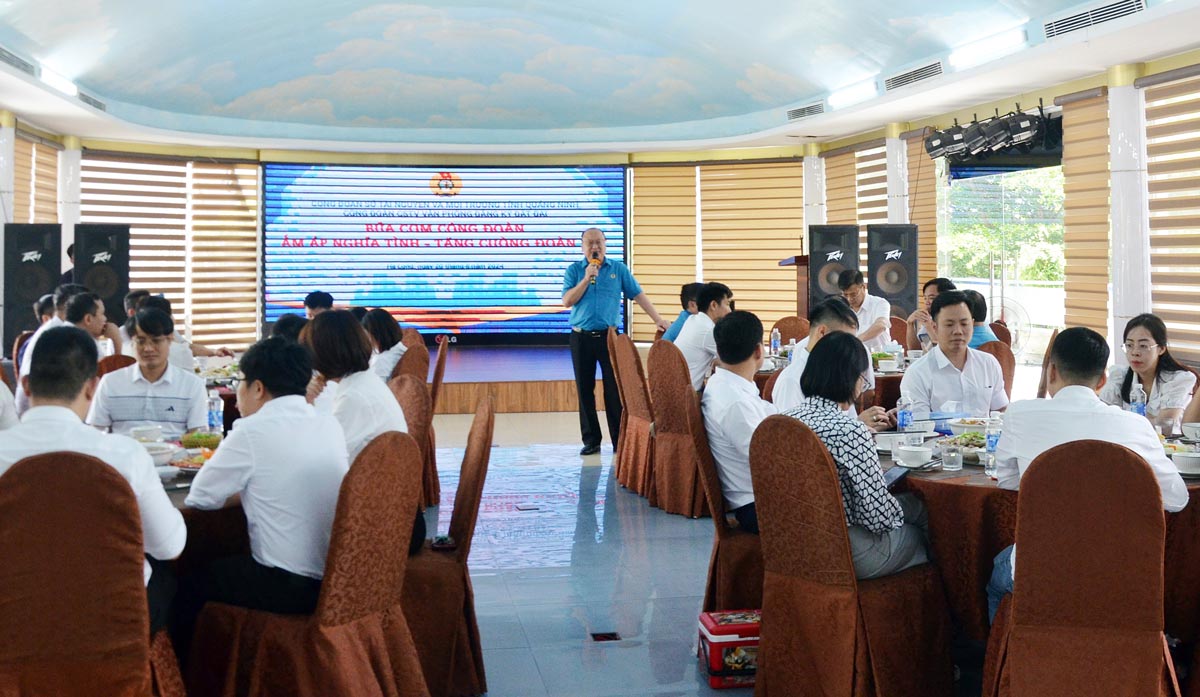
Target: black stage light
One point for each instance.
(953, 140)
(974, 139)
(935, 144)
(997, 133)
(1024, 128)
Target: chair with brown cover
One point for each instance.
(413, 398)
(791, 327)
(110, 363)
(1086, 613)
(619, 438)
(439, 601)
(658, 334)
(887, 390)
(823, 632)
(735, 569)
(768, 389)
(73, 615)
(9, 382)
(414, 362)
(1002, 333)
(358, 641)
(410, 337)
(18, 343)
(435, 388)
(898, 330)
(1008, 362)
(637, 443)
(1042, 381)
(677, 486)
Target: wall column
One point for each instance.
(1130, 200)
(897, 174)
(814, 190)
(70, 192)
(8, 145)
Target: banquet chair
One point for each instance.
(824, 632)
(791, 327)
(73, 615)
(439, 601)
(887, 391)
(110, 363)
(435, 388)
(414, 362)
(1042, 381)
(410, 337)
(735, 569)
(898, 330)
(636, 447)
(358, 640)
(676, 482)
(658, 334)
(18, 343)
(1086, 613)
(413, 398)
(1002, 332)
(1008, 362)
(9, 381)
(768, 389)
(619, 438)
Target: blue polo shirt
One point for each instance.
(675, 328)
(982, 334)
(600, 305)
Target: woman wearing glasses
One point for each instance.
(1168, 384)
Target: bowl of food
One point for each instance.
(201, 439)
(960, 426)
(1192, 431)
(161, 453)
(880, 356)
(1187, 462)
(146, 434)
(913, 455)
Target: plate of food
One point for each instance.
(973, 445)
(960, 426)
(192, 459)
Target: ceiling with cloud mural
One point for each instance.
(503, 71)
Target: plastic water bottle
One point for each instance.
(1137, 398)
(216, 412)
(992, 439)
(904, 415)
(791, 351)
(776, 341)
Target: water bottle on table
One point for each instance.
(791, 351)
(992, 438)
(776, 341)
(904, 415)
(1137, 398)
(216, 412)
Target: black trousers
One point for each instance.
(160, 592)
(588, 348)
(747, 517)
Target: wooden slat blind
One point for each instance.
(223, 297)
(871, 200)
(35, 175)
(841, 190)
(663, 240)
(1173, 144)
(22, 181)
(1086, 212)
(752, 215)
(922, 207)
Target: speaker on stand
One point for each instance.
(832, 249)
(32, 265)
(102, 264)
(892, 266)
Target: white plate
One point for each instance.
(166, 472)
(915, 467)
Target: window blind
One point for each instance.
(1086, 212)
(663, 239)
(870, 189)
(35, 175)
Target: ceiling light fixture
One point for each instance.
(854, 94)
(58, 82)
(984, 50)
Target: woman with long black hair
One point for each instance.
(1168, 384)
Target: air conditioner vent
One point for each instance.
(806, 111)
(1092, 17)
(17, 62)
(915, 75)
(92, 102)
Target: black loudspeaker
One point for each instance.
(892, 266)
(102, 265)
(832, 249)
(32, 265)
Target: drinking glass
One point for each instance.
(916, 439)
(952, 458)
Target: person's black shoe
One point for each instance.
(590, 449)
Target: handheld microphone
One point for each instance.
(594, 261)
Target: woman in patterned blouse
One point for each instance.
(887, 533)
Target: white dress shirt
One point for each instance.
(22, 399)
(365, 408)
(1172, 389)
(125, 400)
(873, 308)
(48, 429)
(8, 408)
(787, 393)
(732, 410)
(933, 382)
(287, 461)
(699, 348)
(1033, 426)
(384, 363)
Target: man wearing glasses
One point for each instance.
(874, 313)
(151, 392)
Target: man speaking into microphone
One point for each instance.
(592, 288)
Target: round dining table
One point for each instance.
(886, 394)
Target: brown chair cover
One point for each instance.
(658, 334)
(1008, 362)
(1086, 616)
(735, 569)
(16, 351)
(73, 616)
(898, 330)
(824, 633)
(9, 381)
(619, 440)
(435, 388)
(413, 397)
(110, 363)
(636, 446)
(358, 641)
(791, 327)
(411, 337)
(439, 601)
(768, 390)
(887, 390)
(1002, 333)
(414, 362)
(1041, 390)
(677, 486)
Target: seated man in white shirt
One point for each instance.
(1073, 412)
(953, 377)
(61, 383)
(920, 333)
(732, 410)
(830, 315)
(86, 311)
(287, 462)
(695, 340)
(874, 314)
(151, 392)
(183, 352)
(43, 311)
(62, 294)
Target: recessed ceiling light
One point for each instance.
(984, 50)
(853, 94)
(58, 82)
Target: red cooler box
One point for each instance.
(729, 646)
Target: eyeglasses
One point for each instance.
(1137, 348)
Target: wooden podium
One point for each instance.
(801, 264)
